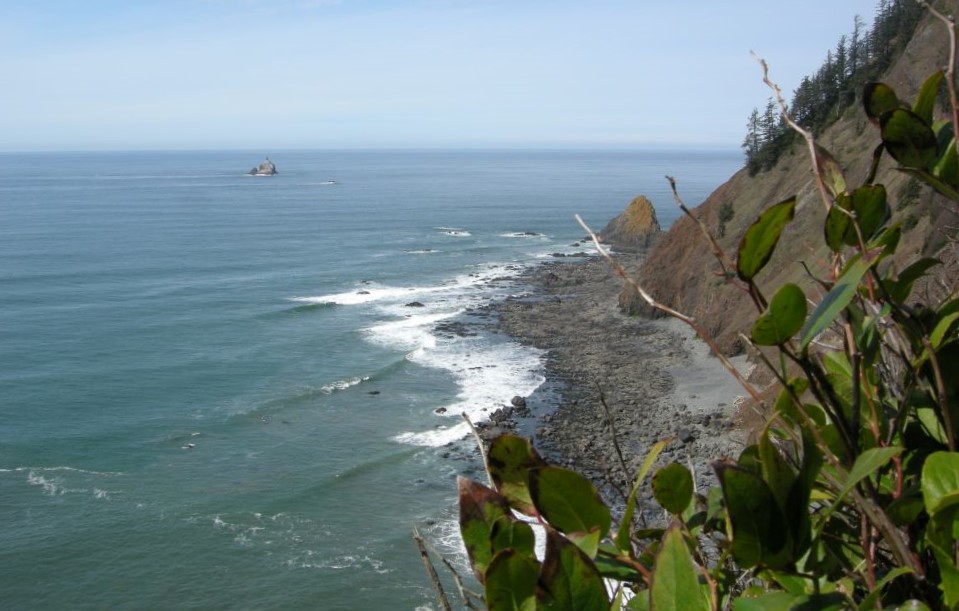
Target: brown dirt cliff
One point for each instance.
(680, 271)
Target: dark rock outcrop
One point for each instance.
(635, 229)
(267, 168)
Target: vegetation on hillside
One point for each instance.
(849, 498)
(820, 99)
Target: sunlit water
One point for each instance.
(213, 391)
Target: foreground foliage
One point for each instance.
(850, 497)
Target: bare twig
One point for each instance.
(615, 437)
(942, 395)
(465, 593)
(950, 22)
(621, 272)
(724, 261)
(434, 578)
(482, 448)
(806, 134)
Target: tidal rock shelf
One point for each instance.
(656, 378)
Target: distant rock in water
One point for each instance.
(267, 168)
(635, 229)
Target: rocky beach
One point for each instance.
(656, 379)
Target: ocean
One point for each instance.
(220, 391)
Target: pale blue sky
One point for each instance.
(268, 75)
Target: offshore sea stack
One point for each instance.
(267, 168)
(635, 230)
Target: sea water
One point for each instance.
(220, 391)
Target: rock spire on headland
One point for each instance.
(635, 229)
(267, 168)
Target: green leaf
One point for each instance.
(617, 604)
(947, 168)
(831, 171)
(871, 206)
(930, 422)
(901, 289)
(867, 463)
(940, 481)
(836, 300)
(784, 601)
(796, 508)
(926, 101)
(910, 605)
(776, 471)
(782, 319)
(909, 139)
(480, 508)
(568, 501)
(943, 330)
(569, 579)
(773, 601)
(511, 582)
(887, 241)
(622, 535)
(905, 510)
(675, 584)
(758, 524)
(791, 583)
(508, 532)
(878, 98)
(610, 568)
(673, 488)
(948, 575)
(838, 222)
(870, 601)
(586, 541)
(638, 603)
(784, 405)
(761, 238)
(936, 183)
(509, 459)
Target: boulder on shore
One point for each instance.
(267, 168)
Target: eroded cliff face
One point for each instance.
(681, 271)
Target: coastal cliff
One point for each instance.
(643, 380)
(681, 272)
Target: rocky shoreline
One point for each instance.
(655, 377)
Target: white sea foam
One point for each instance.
(343, 384)
(488, 376)
(51, 487)
(61, 480)
(456, 232)
(488, 371)
(372, 292)
(524, 234)
(55, 469)
(412, 334)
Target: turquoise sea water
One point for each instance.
(213, 394)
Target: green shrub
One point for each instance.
(726, 213)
